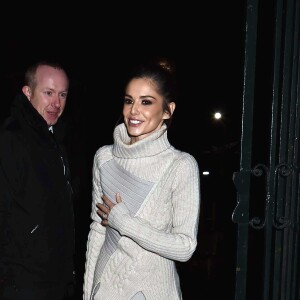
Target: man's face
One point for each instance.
(50, 94)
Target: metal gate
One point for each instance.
(267, 213)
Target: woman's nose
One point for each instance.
(134, 109)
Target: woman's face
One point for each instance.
(143, 109)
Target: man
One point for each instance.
(36, 209)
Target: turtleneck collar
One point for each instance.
(153, 144)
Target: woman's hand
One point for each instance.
(105, 208)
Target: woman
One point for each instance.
(146, 198)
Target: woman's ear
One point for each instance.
(26, 91)
(172, 106)
(168, 115)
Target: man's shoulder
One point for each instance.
(10, 125)
(9, 128)
(12, 137)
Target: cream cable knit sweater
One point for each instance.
(155, 224)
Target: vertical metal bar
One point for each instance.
(295, 94)
(273, 150)
(291, 243)
(242, 180)
(283, 200)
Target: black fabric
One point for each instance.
(36, 202)
(59, 292)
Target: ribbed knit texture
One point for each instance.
(159, 227)
(133, 190)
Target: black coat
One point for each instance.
(36, 202)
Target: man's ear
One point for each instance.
(26, 91)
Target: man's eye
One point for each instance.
(63, 95)
(49, 93)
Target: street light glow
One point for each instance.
(217, 116)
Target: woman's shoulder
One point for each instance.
(183, 156)
(184, 162)
(103, 154)
(104, 149)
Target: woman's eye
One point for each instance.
(127, 101)
(147, 102)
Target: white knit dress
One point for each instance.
(155, 224)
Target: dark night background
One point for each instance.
(207, 45)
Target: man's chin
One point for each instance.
(51, 123)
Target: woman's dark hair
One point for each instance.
(161, 71)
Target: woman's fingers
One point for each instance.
(118, 198)
(105, 207)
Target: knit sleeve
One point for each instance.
(180, 242)
(96, 235)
